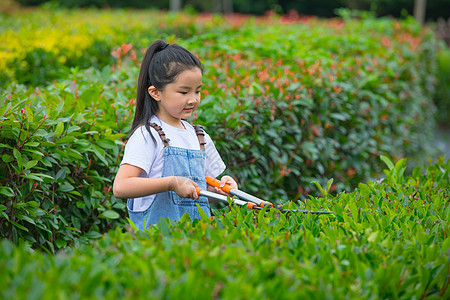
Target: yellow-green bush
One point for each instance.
(39, 46)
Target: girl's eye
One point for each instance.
(184, 93)
(198, 92)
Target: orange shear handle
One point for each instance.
(216, 183)
(198, 190)
(251, 205)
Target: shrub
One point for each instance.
(59, 153)
(385, 240)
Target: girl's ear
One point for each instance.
(154, 93)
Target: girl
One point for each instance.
(166, 157)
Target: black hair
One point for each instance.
(161, 65)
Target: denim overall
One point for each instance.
(177, 162)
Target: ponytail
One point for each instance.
(146, 106)
(161, 65)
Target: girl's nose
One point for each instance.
(194, 98)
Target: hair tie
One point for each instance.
(164, 46)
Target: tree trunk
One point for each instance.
(228, 6)
(419, 10)
(216, 6)
(175, 5)
(222, 6)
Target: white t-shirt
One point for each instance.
(142, 152)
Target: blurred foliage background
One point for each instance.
(323, 8)
(436, 15)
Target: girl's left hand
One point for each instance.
(223, 181)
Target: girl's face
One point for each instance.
(180, 98)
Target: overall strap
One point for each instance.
(200, 135)
(161, 133)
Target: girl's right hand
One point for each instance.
(183, 187)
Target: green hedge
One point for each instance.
(384, 240)
(287, 104)
(58, 166)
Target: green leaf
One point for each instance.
(76, 193)
(73, 128)
(7, 158)
(31, 164)
(340, 116)
(329, 183)
(421, 236)
(74, 154)
(399, 170)
(30, 115)
(90, 132)
(33, 204)
(374, 237)
(32, 144)
(353, 209)
(445, 245)
(7, 191)
(261, 214)
(100, 153)
(66, 187)
(107, 144)
(59, 128)
(417, 172)
(203, 215)
(60, 243)
(26, 218)
(304, 101)
(110, 214)
(132, 225)
(40, 176)
(65, 140)
(93, 235)
(230, 200)
(164, 226)
(32, 177)
(248, 218)
(387, 161)
(18, 157)
(73, 228)
(2, 213)
(5, 146)
(364, 190)
(80, 204)
(18, 225)
(319, 187)
(227, 222)
(39, 153)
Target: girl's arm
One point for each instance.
(128, 184)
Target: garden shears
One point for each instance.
(258, 204)
(238, 193)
